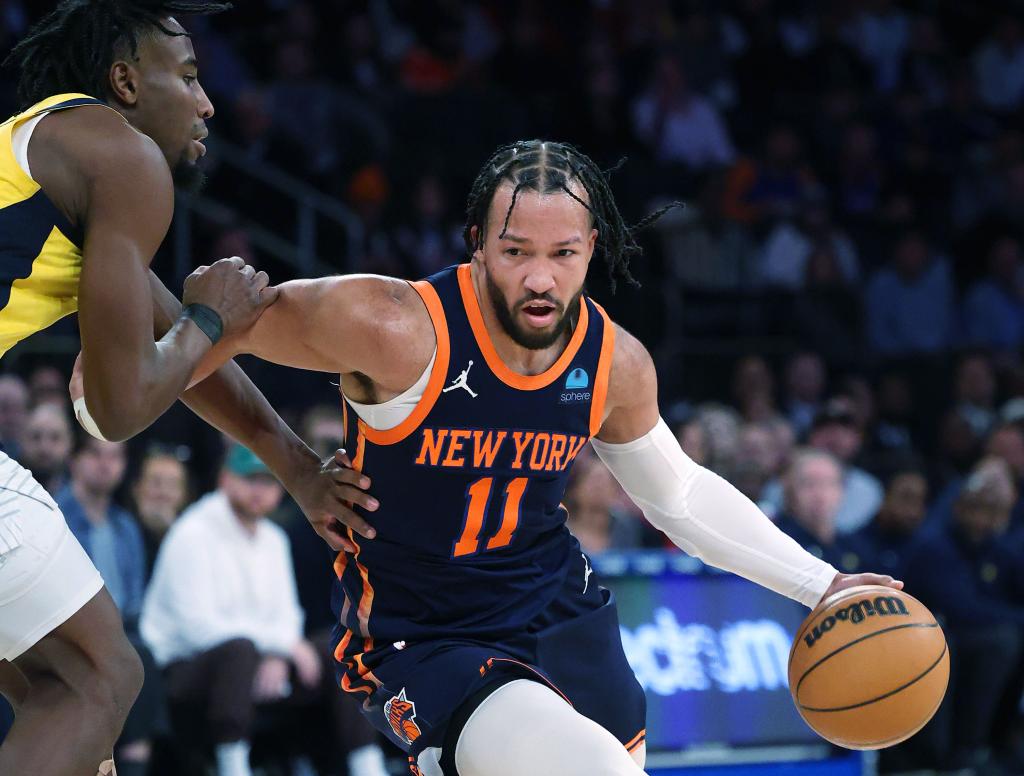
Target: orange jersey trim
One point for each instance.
(543, 679)
(483, 341)
(339, 651)
(437, 374)
(363, 671)
(357, 462)
(341, 561)
(340, 564)
(636, 740)
(366, 601)
(604, 370)
(347, 686)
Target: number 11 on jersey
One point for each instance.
(479, 498)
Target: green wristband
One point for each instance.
(207, 319)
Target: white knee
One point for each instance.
(524, 727)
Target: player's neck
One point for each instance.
(523, 360)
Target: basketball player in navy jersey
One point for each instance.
(472, 628)
(112, 115)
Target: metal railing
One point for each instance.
(299, 249)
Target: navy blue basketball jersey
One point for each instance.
(471, 538)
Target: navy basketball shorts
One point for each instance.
(429, 689)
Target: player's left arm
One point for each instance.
(229, 401)
(698, 510)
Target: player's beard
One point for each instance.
(188, 176)
(532, 340)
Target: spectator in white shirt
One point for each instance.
(789, 246)
(222, 615)
(678, 124)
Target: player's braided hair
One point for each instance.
(72, 48)
(547, 167)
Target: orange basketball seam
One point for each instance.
(865, 637)
(913, 681)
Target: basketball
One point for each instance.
(868, 667)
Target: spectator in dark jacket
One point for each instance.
(813, 488)
(113, 541)
(160, 492)
(970, 578)
(888, 538)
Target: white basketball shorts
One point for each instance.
(45, 575)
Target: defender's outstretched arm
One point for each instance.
(228, 400)
(376, 326)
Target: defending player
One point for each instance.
(114, 109)
(472, 627)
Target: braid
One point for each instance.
(71, 48)
(547, 167)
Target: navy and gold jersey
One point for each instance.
(40, 251)
(471, 537)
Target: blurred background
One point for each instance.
(837, 317)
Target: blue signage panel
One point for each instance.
(710, 651)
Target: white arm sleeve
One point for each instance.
(708, 518)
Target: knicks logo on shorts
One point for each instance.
(401, 715)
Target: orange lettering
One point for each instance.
(521, 440)
(558, 444)
(510, 515)
(536, 464)
(431, 446)
(575, 445)
(458, 438)
(479, 497)
(485, 448)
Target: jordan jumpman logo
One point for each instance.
(460, 382)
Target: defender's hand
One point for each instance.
(327, 496)
(234, 289)
(843, 581)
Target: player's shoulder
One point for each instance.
(97, 141)
(633, 375)
(630, 354)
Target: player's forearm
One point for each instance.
(229, 401)
(708, 518)
(126, 393)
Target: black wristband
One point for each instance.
(207, 319)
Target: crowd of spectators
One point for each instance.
(837, 313)
(855, 489)
(214, 594)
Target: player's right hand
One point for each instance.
(326, 494)
(235, 290)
